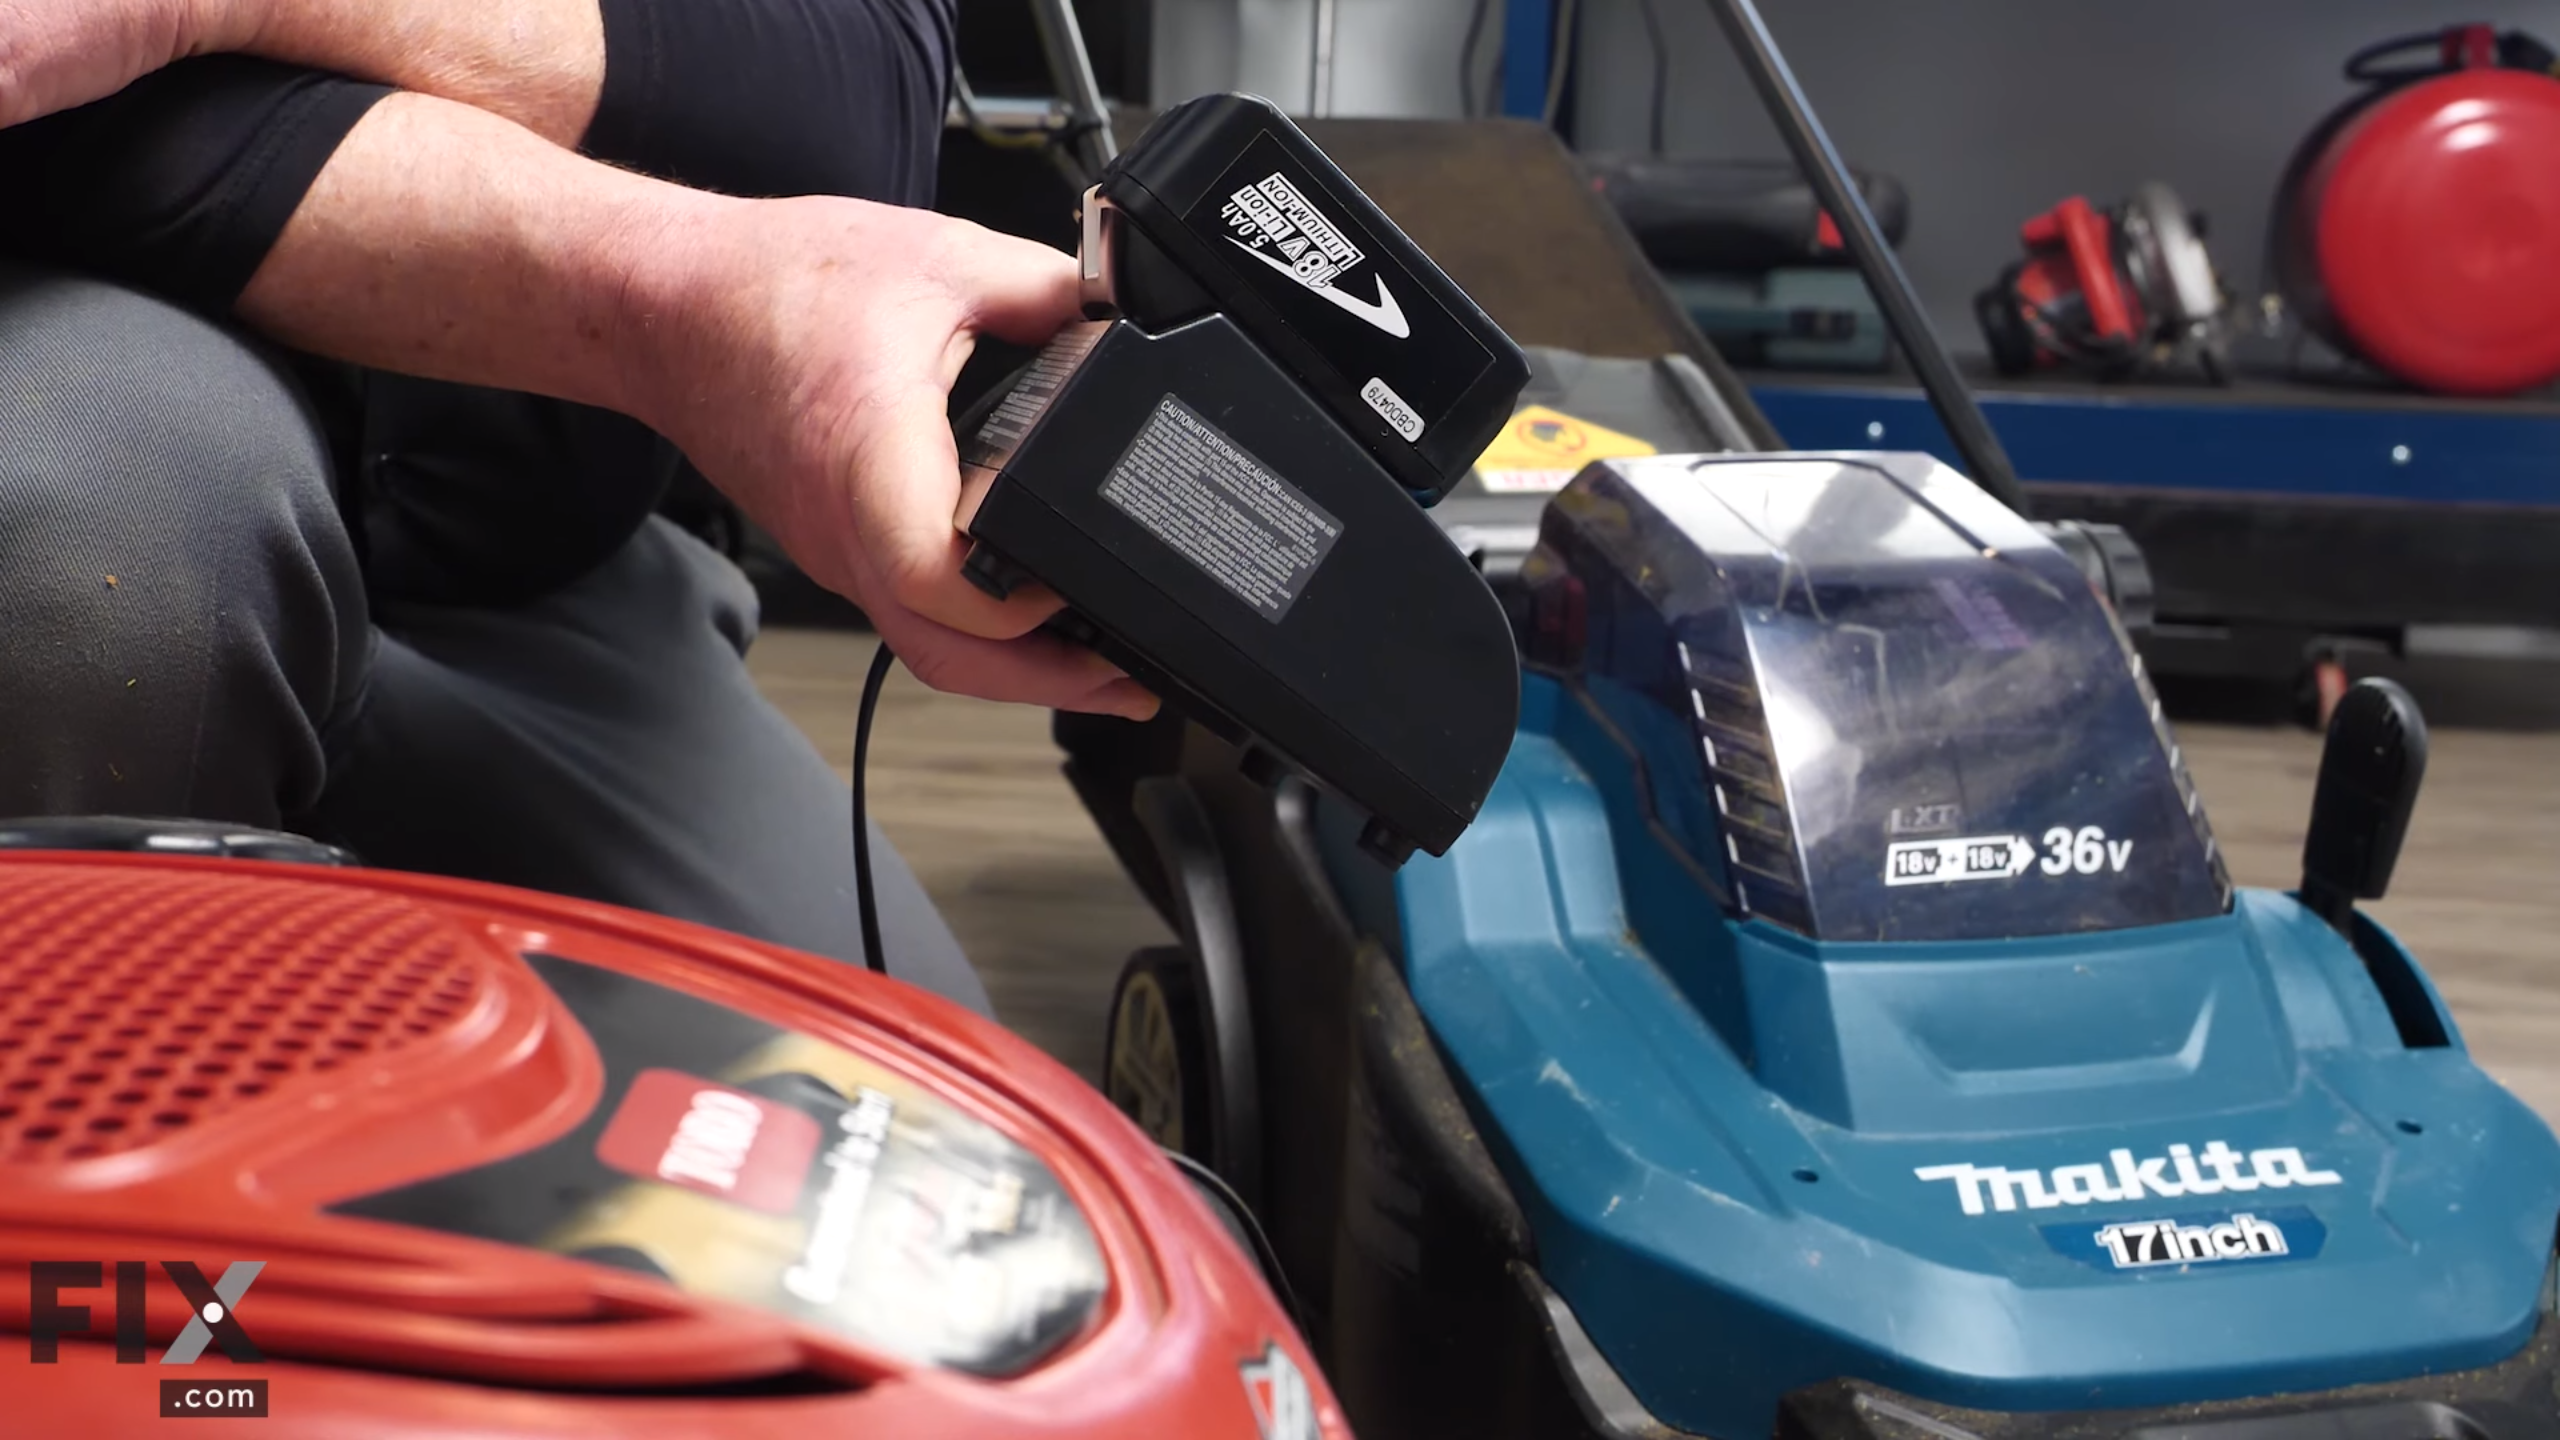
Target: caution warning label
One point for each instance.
(1219, 508)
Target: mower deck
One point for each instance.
(2510, 1400)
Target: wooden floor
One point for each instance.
(970, 793)
(972, 796)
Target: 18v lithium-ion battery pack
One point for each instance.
(1224, 475)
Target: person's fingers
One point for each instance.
(1032, 670)
(905, 490)
(1124, 697)
(1018, 290)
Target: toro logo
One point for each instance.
(2214, 1170)
(1284, 1408)
(707, 1137)
(214, 1307)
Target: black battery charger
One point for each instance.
(1224, 472)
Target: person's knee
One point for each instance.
(175, 585)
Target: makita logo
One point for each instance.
(2217, 1169)
(2138, 1244)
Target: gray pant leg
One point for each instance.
(180, 608)
(607, 742)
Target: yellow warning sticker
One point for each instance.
(1541, 449)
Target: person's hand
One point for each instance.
(806, 368)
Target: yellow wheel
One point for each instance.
(1155, 1065)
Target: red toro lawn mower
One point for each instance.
(386, 1155)
(375, 1154)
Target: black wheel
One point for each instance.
(1156, 1060)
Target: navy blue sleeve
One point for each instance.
(181, 182)
(777, 97)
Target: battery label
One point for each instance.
(1973, 857)
(1306, 250)
(1002, 432)
(1197, 491)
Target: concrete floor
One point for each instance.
(972, 796)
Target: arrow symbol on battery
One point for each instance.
(1383, 312)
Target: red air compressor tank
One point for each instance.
(2418, 227)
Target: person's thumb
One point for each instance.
(904, 479)
(1017, 290)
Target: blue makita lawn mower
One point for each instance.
(1838, 1019)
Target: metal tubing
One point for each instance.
(1062, 39)
(1822, 166)
(1320, 71)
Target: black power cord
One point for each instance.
(1265, 1254)
(1201, 1175)
(864, 898)
(1249, 1229)
(1467, 60)
(1567, 43)
(1661, 73)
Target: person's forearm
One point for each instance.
(537, 62)
(446, 242)
(55, 54)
